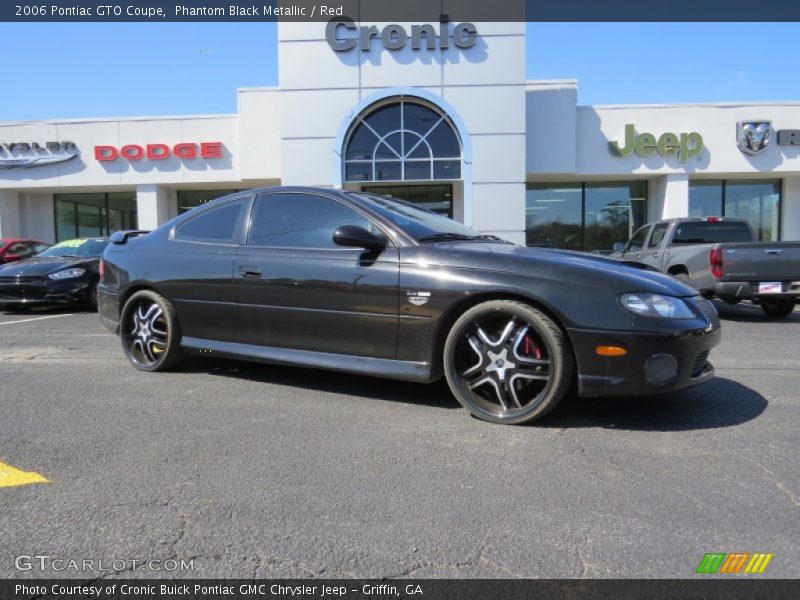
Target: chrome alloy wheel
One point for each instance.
(504, 364)
(146, 333)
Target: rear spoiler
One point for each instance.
(122, 237)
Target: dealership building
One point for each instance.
(437, 113)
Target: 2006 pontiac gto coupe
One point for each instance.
(368, 284)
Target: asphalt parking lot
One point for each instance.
(255, 470)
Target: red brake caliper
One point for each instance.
(529, 349)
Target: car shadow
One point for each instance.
(747, 312)
(718, 403)
(435, 395)
(56, 309)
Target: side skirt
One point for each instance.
(362, 365)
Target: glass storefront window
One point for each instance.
(400, 141)
(612, 212)
(589, 216)
(94, 214)
(189, 199)
(758, 202)
(437, 198)
(705, 199)
(553, 216)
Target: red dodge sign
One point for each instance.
(159, 151)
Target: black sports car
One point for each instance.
(369, 284)
(66, 273)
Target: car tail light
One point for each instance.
(713, 219)
(715, 261)
(102, 268)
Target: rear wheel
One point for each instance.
(507, 362)
(150, 332)
(777, 308)
(91, 298)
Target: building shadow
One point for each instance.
(718, 403)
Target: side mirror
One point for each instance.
(357, 237)
(619, 247)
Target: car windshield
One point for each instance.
(421, 224)
(84, 248)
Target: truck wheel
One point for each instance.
(777, 308)
(684, 277)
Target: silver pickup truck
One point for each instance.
(721, 258)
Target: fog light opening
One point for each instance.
(661, 369)
(610, 351)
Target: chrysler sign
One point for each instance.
(344, 35)
(35, 154)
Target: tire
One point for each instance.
(15, 308)
(150, 332)
(524, 363)
(91, 298)
(777, 308)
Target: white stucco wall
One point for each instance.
(483, 84)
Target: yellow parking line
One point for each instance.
(10, 476)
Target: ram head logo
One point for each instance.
(753, 136)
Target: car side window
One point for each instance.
(637, 241)
(657, 236)
(19, 249)
(217, 225)
(300, 220)
(39, 248)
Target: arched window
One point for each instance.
(402, 140)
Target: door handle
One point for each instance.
(250, 272)
(656, 253)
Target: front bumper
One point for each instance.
(743, 290)
(632, 374)
(36, 291)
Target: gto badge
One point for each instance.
(753, 136)
(418, 298)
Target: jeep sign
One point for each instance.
(344, 35)
(685, 145)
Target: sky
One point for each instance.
(74, 70)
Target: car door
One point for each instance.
(634, 248)
(297, 289)
(652, 253)
(197, 273)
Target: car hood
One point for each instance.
(40, 267)
(627, 276)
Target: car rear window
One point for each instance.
(705, 232)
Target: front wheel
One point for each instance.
(777, 308)
(507, 362)
(150, 332)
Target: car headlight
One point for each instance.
(656, 305)
(67, 273)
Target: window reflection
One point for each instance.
(758, 202)
(591, 216)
